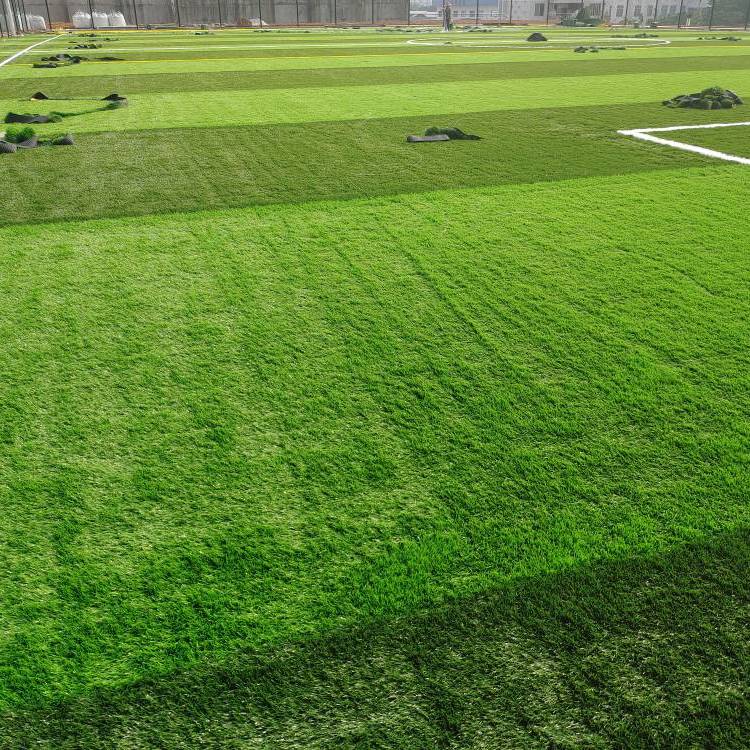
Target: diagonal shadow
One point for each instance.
(650, 652)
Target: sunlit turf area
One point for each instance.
(315, 438)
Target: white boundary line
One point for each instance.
(644, 134)
(24, 51)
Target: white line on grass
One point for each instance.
(644, 134)
(24, 51)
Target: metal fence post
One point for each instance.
(91, 12)
(510, 14)
(548, 4)
(476, 14)
(49, 18)
(24, 17)
(260, 16)
(10, 22)
(17, 16)
(218, 7)
(20, 19)
(656, 10)
(747, 15)
(679, 14)
(627, 8)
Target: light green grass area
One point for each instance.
(314, 438)
(223, 108)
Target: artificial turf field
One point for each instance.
(313, 438)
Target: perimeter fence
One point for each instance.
(40, 15)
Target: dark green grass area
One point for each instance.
(159, 171)
(640, 653)
(734, 141)
(316, 77)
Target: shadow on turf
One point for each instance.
(642, 653)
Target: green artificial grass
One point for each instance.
(412, 56)
(269, 47)
(735, 141)
(316, 438)
(178, 170)
(167, 81)
(224, 108)
(620, 654)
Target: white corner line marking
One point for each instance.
(644, 134)
(24, 51)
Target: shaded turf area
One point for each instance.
(540, 663)
(395, 440)
(188, 169)
(169, 48)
